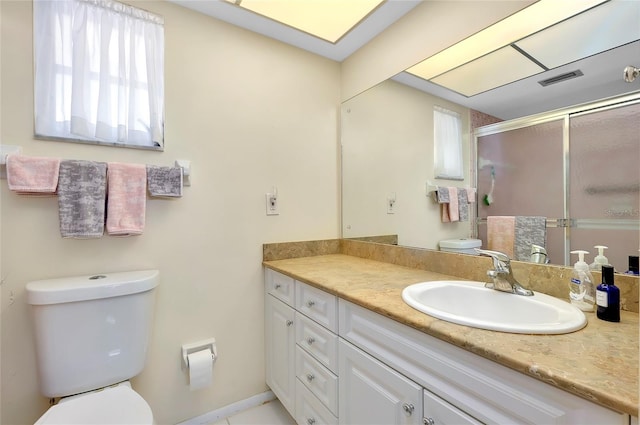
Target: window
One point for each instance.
(99, 73)
(447, 136)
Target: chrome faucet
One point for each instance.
(501, 275)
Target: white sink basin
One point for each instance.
(470, 303)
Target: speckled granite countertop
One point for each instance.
(598, 363)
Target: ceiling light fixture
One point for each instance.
(329, 20)
(529, 20)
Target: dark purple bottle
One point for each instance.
(608, 297)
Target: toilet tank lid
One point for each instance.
(465, 243)
(90, 287)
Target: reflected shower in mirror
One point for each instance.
(579, 170)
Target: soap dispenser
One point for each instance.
(634, 268)
(600, 259)
(608, 297)
(581, 288)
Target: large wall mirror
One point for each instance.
(387, 135)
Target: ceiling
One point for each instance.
(602, 70)
(376, 22)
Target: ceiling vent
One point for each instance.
(561, 78)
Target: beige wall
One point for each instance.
(387, 147)
(249, 113)
(430, 27)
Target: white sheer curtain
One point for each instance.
(447, 133)
(99, 72)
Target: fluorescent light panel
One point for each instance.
(329, 20)
(500, 67)
(534, 18)
(602, 28)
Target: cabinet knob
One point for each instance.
(428, 421)
(289, 322)
(278, 286)
(311, 340)
(310, 377)
(311, 303)
(408, 408)
(311, 421)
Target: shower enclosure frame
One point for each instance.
(566, 221)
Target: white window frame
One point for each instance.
(447, 144)
(98, 73)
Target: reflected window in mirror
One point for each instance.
(99, 73)
(447, 136)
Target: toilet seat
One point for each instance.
(114, 405)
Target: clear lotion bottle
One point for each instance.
(608, 297)
(582, 291)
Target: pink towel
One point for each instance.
(454, 212)
(471, 194)
(126, 198)
(32, 175)
(501, 234)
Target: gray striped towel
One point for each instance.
(164, 181)
(82, 188)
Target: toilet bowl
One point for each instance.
(118, 404)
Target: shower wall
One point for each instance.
(581, 170)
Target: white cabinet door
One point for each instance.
(371, 393)
(439, 412)
(280, 351)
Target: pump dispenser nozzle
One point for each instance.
(581, 264)
(600, 259)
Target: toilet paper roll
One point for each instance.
(200, 369)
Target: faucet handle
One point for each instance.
(501, 260)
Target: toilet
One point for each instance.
(92, 334)
(461, 246)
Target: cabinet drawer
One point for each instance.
(280, 286)
(317, 341)
(318, 305)
(309, 411)
(438, 411)
(318, 379)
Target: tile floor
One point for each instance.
(271, 413)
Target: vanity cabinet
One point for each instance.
(330, 361)
(302, 348)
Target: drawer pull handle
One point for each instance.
(310, 377)
(428, 421)
(289, 322)
(311, 340)
(311, 303)
(311, 421)
(408, 408)
(278, 286)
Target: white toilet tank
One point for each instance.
(91, 331)
(461, 246)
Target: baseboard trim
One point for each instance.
(231, 409)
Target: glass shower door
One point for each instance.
(604, 181)
(524, 166)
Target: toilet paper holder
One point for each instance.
(198, 346)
